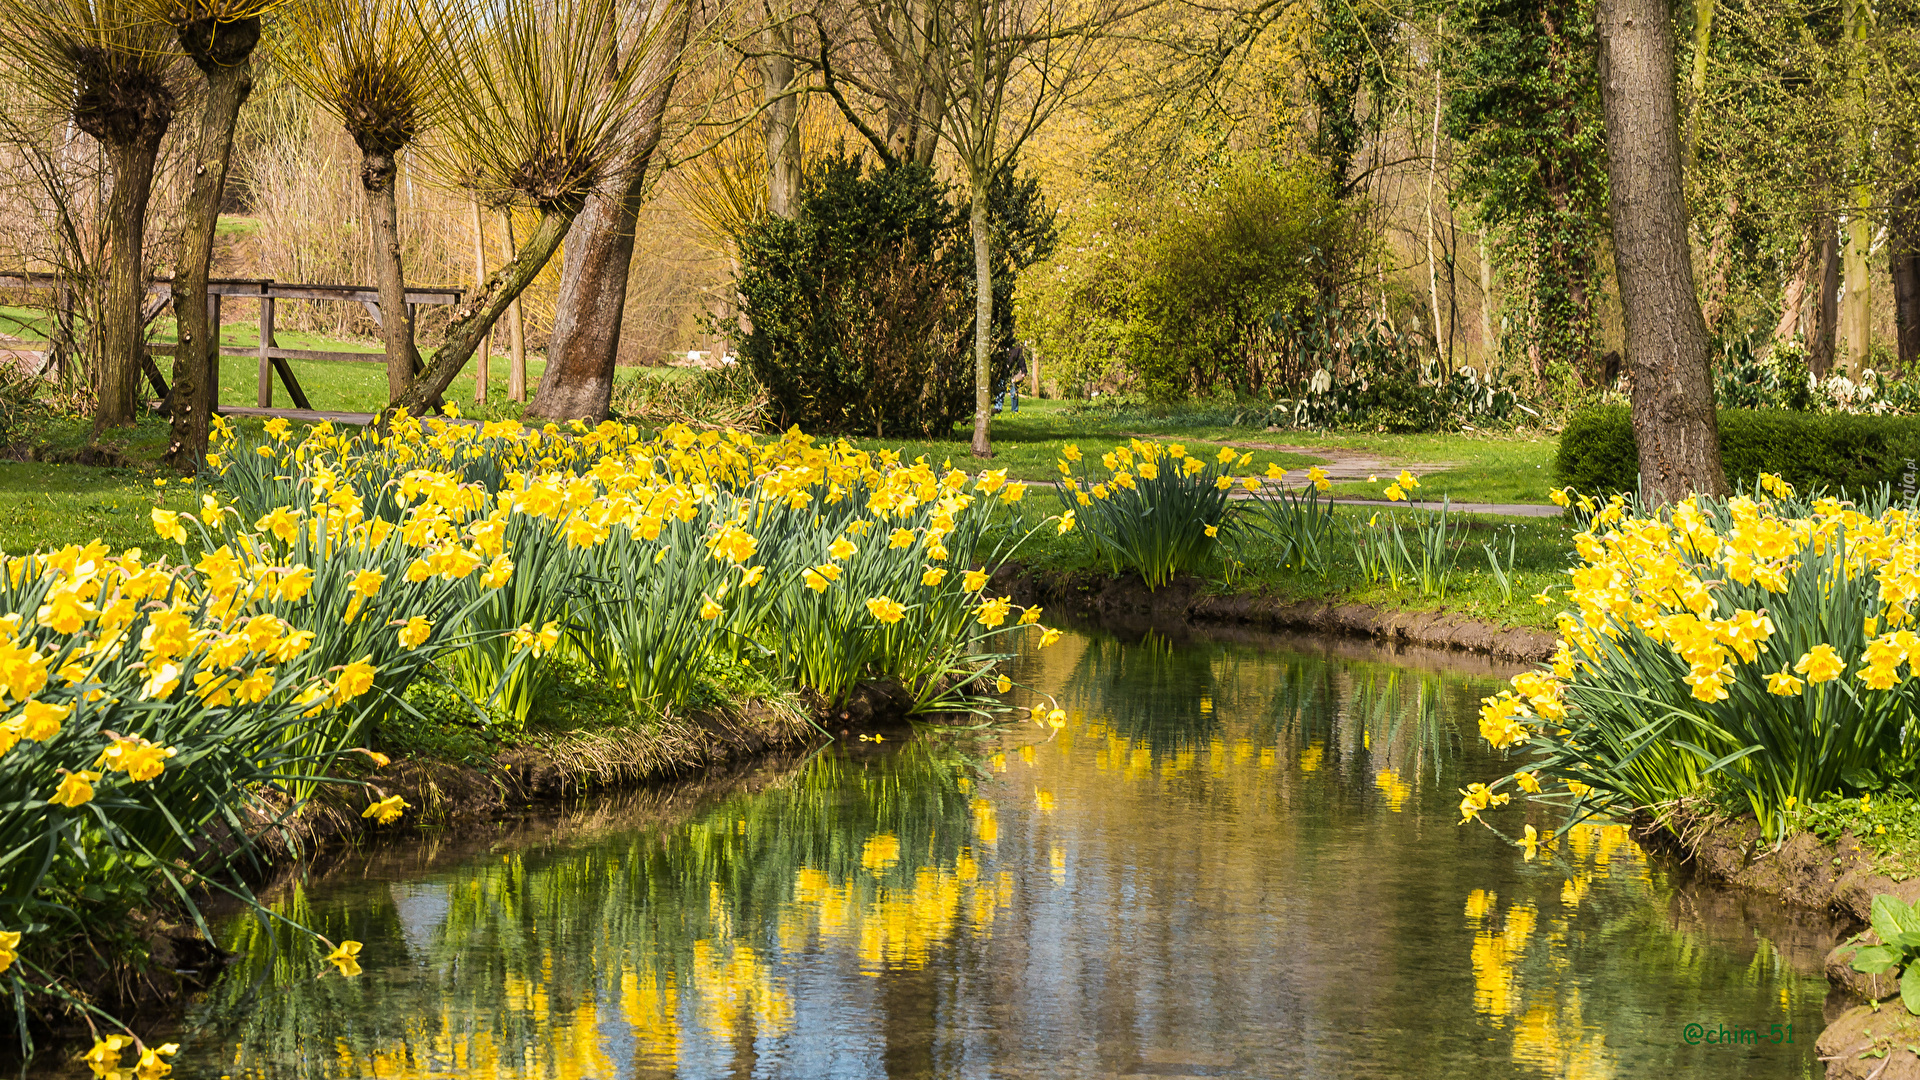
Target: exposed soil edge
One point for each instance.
(1127, 599)
(1802, 870)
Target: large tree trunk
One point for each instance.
(578, 382)
(982, 322)
(121, 344)
(585, 345)
(475, 319)
(1666, 338)
(223, 53)
(377, 172)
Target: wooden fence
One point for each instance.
(272, 358)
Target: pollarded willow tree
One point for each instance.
(219, 36)
(544, 102)
(368, 62)
(115, 77)
(578, 381)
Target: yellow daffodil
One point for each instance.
(9, 949)
(76, 788)
(886, 609)
(415, 632)
(1820, 664)
(974, 581)
(387, 810)
(933, 576)
(346, 957)
(167, 524)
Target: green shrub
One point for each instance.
(1200, 291)
(859, 293)
(1830, 451)
(861, 306)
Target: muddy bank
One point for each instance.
(1126, 601)
(1803, 871)
(1834, 880)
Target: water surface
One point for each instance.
(1236, 859)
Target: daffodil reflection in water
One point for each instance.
(1275, 885)
(683, 940)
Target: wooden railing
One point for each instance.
(272, 358)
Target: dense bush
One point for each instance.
(1226, 270)
(1194, 292)
(860, 292)
(861, 306)
(1834, 451)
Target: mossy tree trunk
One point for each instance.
(223, 52)
(122, 338)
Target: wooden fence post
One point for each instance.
(265, 395)
(213, 351)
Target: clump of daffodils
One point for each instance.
(1759, 648)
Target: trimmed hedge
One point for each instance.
(1830, 451)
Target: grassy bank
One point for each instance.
(1540, 552)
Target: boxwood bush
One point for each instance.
(1831, 451)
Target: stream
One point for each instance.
(1239, 857)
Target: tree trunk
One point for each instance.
(782, 126)
(377, 172)
(516, 324)
(479, 283)
(982, 322)
(591, 308)
(1856, 314)
(1856, 317)
(1666, 338)
(578, 382)
(1793, 300)
(1489, 342)
(224, 54)
(475, 319)
(1718, 264)
(1826, 302)
(121, 343)
(1903, 255)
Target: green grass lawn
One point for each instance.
(50, 506)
